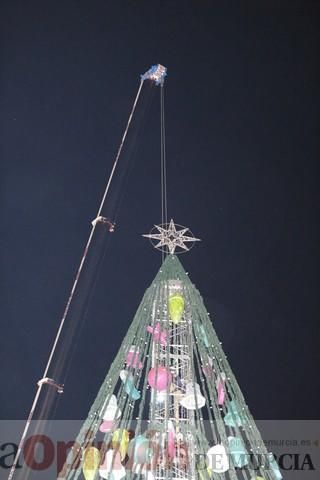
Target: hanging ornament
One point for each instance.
(112, 469)
(159, 378)
(91, 462)
(220, 386)
(233, 418)
(204, 472)
(133, 359)
(127, 380)
(208, 369)
(158, 334)
(111, 414)
(203, 336)
(193, 398)
(171, 440)
(218, 459)
(120, 441)
(257, 478)
(274, 466)
(139, 450)
(238, 452)
(176, 308)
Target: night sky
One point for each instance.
(242, 115)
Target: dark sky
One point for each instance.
(242, 117)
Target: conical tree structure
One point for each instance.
(170, 406)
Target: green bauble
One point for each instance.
(176, 308)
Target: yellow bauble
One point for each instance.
(91, 462)
(176, 308)
(121, 436)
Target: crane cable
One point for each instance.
(73, 290)
(164, 200)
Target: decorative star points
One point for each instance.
(169, 238)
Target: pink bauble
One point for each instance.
(163, 377)
(171, 441)
(107, 425)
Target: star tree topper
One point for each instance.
(169, 238)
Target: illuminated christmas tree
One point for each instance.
(170, 406)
